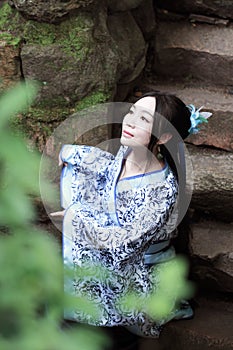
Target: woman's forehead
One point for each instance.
(147, 103)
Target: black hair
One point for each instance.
(174, 110)
(170, 110)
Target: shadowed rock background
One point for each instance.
(85, 52)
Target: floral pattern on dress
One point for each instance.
(112, 225)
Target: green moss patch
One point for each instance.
(9, 25)
(74, 35)
(91, 100)
(37, 124)
(39, 33)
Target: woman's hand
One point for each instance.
(57, 213)
(60, 162)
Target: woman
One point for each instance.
(122, 211)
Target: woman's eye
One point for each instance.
(144, 119)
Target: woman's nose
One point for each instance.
(131, 124)
(131, 121)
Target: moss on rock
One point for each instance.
(92, 100)
(73, 35)
(68, 62)
(38, 123)
(10, 26)
(39, 33)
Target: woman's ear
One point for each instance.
(164, 138)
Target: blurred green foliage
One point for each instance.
(31, 269)
(170, 288)
(173, 287)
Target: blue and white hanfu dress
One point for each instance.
(124, 226)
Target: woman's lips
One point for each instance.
(127, 133)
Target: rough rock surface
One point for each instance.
(200, 51)
(211, 328)
(69, 61)
(130, 46)
(9, 65)
(212, 182)
(48, 11)
(123, 5)
(81, 55)
(145, 17)
(64, 78)
(219, 8)
(219, 130)
(75, 60)
(211, 248)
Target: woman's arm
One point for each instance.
(134, 237)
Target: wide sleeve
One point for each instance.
(73, 154)
(147, 227)
(81, 163)
(133, 239)
(70, 155)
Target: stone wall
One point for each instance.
(81, 52)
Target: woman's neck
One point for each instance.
(140, 161)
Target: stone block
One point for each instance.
(48, 11)
(80, 56)
(194, 51)
(218, 132)
(219, 8)
(212, 182)
(145, 17)
(211, 248)
(211, 328)
(129, 45)
(68, 60)
(123, 5)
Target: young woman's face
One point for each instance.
(138, 123)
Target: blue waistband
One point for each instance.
(157, 247)
(158, 253)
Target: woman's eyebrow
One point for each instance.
(143, 110)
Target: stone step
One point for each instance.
(194, 51)
(220, 8)
(219, 130)
(211, 253)
(211, 328)
(212, 182)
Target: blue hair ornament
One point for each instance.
(197, 118)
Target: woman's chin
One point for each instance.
(125, 141)
(131, 142)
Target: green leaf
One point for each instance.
(16, 100)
